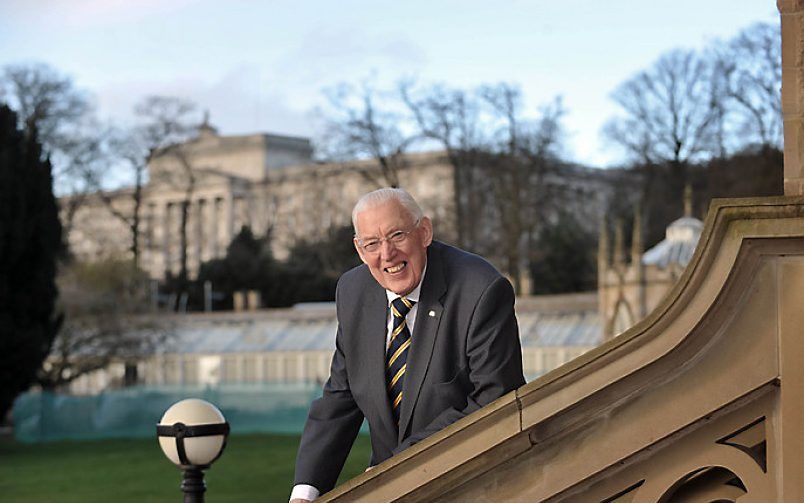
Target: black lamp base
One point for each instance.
(193, 485)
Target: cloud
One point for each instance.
(241, 101)
(328, 55)
(90, 13)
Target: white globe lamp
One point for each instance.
(192, 433)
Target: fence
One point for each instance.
(134, 412)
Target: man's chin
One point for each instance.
(400, 286)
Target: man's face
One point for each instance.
(398, 266)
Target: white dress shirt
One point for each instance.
(308, 492)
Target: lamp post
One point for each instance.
(192, 434)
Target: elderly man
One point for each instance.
(426, 335)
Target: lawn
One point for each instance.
(252, 468)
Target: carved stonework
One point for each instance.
(627, 495)
(751, 440)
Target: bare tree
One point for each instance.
(84, 162)
(672, 115)
(127, 152)
(670, 112)
(63, 117)
(525, 153)
(165, 124)
(105, 305)
(44, 99)
(358, 129)
(168, 125)
(750, 66)
(450, 119)
(500, 158)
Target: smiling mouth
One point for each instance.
(397, 268)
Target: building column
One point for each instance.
(792, 14)
(197, 239)
(200, 228)
(167, 241)
(229, 231)
(148, 240)
(237, 216)
(214, 230)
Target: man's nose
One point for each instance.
(387, 249)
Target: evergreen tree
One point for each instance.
(248, 265)
(30, 244)
(564, 260)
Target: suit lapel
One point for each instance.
(375, 316)
(425, 330)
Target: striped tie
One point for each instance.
(397, 355)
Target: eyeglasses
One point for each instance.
(372, 245)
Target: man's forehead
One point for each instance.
(388, 214)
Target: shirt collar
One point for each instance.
(413, 295)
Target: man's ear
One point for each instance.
(426, 227)
(359, 250)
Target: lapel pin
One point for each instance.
(431, 314)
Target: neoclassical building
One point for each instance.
(265, 181)
(272, 184)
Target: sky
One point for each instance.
(264, 65)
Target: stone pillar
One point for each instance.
(150, 221)
(215, 225)
(229, 221)
(602, 269)
(639, 302)
(201, 231)
(792, 14)
(197, 241)
(239, 301)
(207, 227)
(167, 233)
(236, 203)
(253, 300)
(791, 405)
(148, 240)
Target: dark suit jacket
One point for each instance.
(464, 354)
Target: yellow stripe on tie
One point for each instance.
(407, 303)
(397, 400)
(398, 352)
(396, 313)
(398, 375)
(397, 330)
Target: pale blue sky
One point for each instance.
(261, 65)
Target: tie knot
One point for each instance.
(401, 306)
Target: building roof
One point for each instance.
(306, 329)
(560, 329)
(679, 244)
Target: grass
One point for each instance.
(252, 468)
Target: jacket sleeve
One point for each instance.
(331, 428)
(494, 356)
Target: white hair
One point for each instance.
(384, 195)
